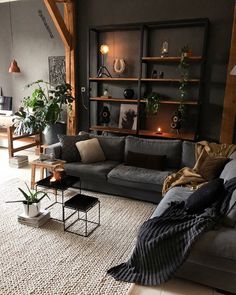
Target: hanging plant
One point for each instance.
(152, 103)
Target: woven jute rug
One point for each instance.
(47, 260)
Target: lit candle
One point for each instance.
(159, 129)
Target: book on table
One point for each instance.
(37, 221)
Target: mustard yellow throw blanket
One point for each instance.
(191, 177)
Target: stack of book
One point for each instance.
(18, 161)
(37, 221)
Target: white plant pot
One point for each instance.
(31, 210)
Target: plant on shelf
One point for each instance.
(152, 103)
(32, 201)
(43, 107)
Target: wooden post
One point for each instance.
(66, 29)
(69, 17)
(229, 110)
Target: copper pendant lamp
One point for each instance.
(13, 66)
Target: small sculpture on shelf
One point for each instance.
(154, 74)
(119, 66)
(164, 49)
(106, 94)
(105, 116)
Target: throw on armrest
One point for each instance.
(54, 148)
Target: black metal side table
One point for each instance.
(64, 184)
(81, 203)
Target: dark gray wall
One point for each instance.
(220, 14)
(32, 46)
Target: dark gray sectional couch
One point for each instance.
(212, 261)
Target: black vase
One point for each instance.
(128, 93)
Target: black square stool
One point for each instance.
(81, 203)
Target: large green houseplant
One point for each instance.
(43, 107)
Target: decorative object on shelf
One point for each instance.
(32, 201)
(161, 75)
(128, 116)
(164, 49)
(129, 93)
(186, 51)
(154, 74)
(177, 118)
(106, 94)
(119, 66)
(152, 103)
(105, 116)
(103, 71)
(13, 66)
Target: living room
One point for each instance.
(144, 52)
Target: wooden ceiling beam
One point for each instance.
(59, 22)
(229, 110)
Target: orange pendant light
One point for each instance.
(14, 67)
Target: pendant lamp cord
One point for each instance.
(10, 18)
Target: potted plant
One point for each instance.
(32, 201)
(152, 103)
(42, 109)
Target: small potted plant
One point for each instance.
(152, 103)
(32, 201)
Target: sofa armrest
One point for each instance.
(54, 148)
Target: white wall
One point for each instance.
(32, 46)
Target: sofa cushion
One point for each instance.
(205, 196)
(155, 162)
(228, 173)
(139, 178)
(176, 194)
(69, 152)
(188, 154)
(90, 151)
(212, 167)
(95, 171)
(171, 148)
(112, 146)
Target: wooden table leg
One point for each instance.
(41, 172)
(32, 175)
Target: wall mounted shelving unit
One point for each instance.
(140, 46)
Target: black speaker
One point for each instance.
(176, 120)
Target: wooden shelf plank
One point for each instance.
(187, 102)
(112, 79)
(123, 100)
(151, 133)
(112, 129)
(169, 58)
(169, 80)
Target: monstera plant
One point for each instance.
(43, 107)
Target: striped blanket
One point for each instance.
(164, 242)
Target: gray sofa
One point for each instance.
(114, 177)
(212, 261)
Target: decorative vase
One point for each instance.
(50, 133)
(129, 93)
(31, 210)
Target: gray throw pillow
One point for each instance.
(69, 152)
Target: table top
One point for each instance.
(66, 182)
(47, 163)
(81, 202)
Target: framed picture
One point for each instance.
(57, 70)
(128, 116)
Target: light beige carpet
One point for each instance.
(47, 260)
